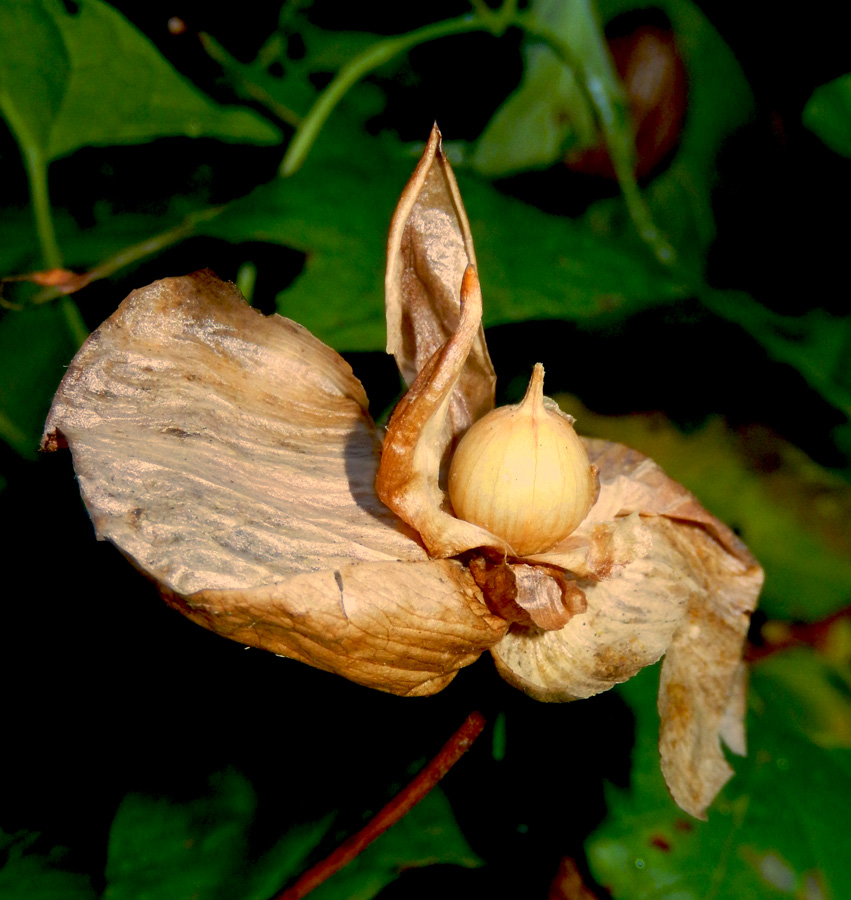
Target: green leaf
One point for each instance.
(774, 832)
(427, 835)
(816, 344)
(35, 348)
(30, 874)
(93, 79)
(812, 692)
(160, 848)
(550, 111)
(719, 101)
(553, 107)
(34, 69)
(801, 541)
(828, 114)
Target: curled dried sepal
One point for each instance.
(417, 441)
(530, 595)
(230, 456)
(428, 251)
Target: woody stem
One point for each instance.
(402, 803)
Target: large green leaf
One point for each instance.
(828, 114)
(30, 873)
(34, 71)
(80, 75)
(776, 831)
(160, 848)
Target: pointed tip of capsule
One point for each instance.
(534, 396)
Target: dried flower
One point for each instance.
(231, 457)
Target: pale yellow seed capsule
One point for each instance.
(522, 473)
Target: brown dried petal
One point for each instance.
(429, 248)
(417, 440)
(230, 456)
(530, 595)
(702, 686)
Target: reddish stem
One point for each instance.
(796, 634)
(402, 803)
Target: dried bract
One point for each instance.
(231, 457)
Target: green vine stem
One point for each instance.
(610, 118)
(37, 167)
(377, 55)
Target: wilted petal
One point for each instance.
(401, 628)
(702, 686)
(629, 621)
(429, 248)
(229, 453)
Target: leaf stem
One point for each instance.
(375, 56)
(37, 173)
(402, 803)
(134, 253)
(611, 119)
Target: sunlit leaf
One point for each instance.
(811, 693)
(97, 81)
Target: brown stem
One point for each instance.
(402, 803)
(780, 636)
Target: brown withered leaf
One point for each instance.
(428, 251)
(230, 456)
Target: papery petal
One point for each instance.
(401, 628)
(629, 621)
(429, 248)
(417, 441)
(226, 451)
(702, 685)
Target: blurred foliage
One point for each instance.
(696, 311)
